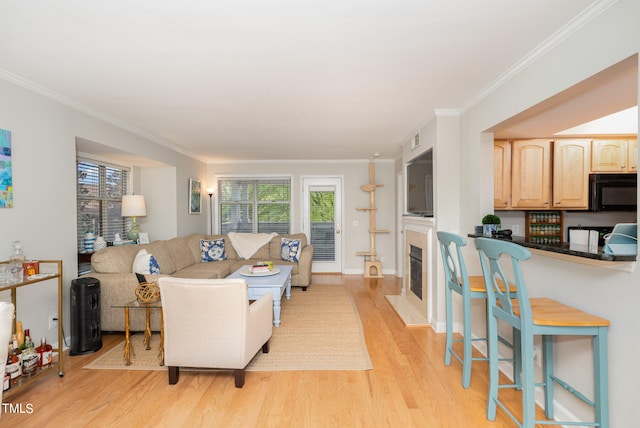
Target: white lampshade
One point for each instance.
(133, 206)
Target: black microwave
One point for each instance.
(613, 192)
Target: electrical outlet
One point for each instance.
(515, 229)
(53, 321)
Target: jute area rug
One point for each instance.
(320, 330)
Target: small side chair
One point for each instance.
(209, 323)
(537, 316)
(469, 287)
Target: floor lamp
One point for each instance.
(210, 192)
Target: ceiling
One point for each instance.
(284, 79)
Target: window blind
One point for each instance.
(100, 187)
(257, 205)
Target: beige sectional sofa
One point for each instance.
(178, 257)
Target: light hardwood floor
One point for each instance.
(409, 386)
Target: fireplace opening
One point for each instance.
(415, 267)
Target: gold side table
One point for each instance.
(128, 348)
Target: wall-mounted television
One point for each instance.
(420, 185)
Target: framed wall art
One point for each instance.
(195, 196)
(6, 174)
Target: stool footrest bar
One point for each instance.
(572, 390)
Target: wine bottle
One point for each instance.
(45, 353)
(6, 384)
(19, 333)
(29, 356)
(14, 368)
(23, 345)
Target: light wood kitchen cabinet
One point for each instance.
(633, 155)
(531, 174)
(571, 160)
(501, 174)
(614, 155)
(540, 174)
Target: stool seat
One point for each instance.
(545, 311)
(476, 284)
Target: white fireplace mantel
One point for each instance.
(417, 231)
(419, 224)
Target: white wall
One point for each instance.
(442, 133)
(608, 39)
(162, 212)
(44, 177)
(354, 173)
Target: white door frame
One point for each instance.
(336, 182)
(399, 226)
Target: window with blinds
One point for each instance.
(322, 231)
(258, 205)
(100, 187)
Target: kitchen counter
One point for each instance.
(564, 248)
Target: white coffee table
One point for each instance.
(276, 283)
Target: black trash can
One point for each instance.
(86, 336)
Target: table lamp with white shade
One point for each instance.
(133, 206)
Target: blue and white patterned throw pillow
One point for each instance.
(290, 250)
(212, 250)
(154, 267)
(145, 263)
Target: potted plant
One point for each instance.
(490, 224)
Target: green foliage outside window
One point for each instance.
(322, 207)
(241, 199)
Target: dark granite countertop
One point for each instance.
(563, 248)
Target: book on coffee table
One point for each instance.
(259, 269)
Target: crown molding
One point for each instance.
(436, 113)
(582, 19)
(68, 102)
(297, 161)
(586, 16)
(443, 112)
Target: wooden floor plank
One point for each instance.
(408, 386)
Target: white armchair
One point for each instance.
(6, 327)
(209, 323)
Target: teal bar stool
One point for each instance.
(469, 287)
(537, 316)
